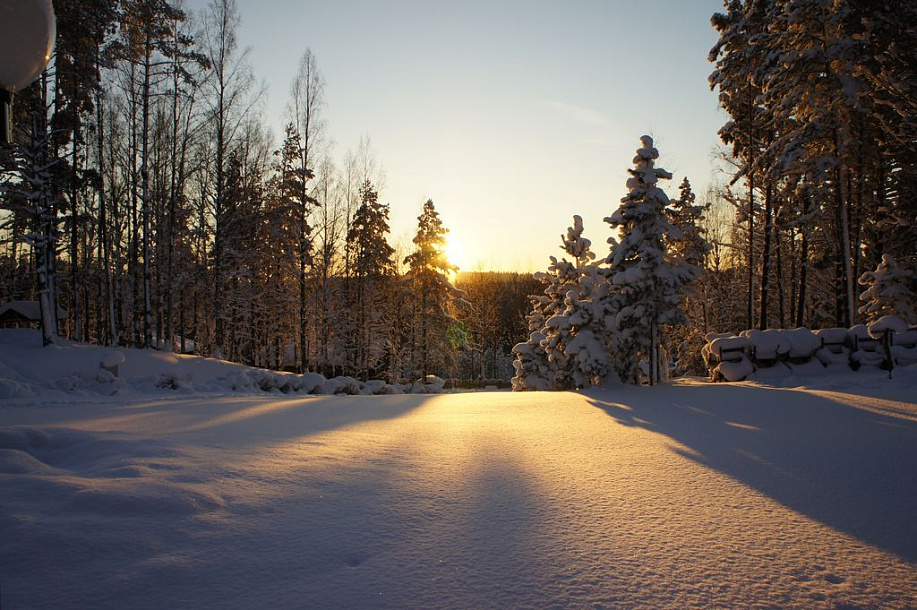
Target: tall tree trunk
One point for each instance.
(845, 289)
(766, 256)
(750, 314)
(781, 292)
(803, 266)
(74, 243)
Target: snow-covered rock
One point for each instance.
(342, 385)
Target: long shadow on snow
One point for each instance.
(246, 421)
(429, 516)
(848, 468)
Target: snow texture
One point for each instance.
(685, 495)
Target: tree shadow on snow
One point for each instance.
(244, 421)
(848, 468)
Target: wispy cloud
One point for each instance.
(580, 114)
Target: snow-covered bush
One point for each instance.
(342, 385)
(890, 290)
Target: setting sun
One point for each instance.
(456, 253)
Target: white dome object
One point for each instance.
(28, 29)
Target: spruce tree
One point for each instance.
(688, 243)
(646, 281)
(432, 290)
(564, 350)
(372, 267)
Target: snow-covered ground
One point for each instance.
(687, 495)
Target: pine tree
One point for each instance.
(647, 282)
(433, 292)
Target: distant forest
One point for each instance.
(145, 197)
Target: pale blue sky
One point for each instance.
(511, 115)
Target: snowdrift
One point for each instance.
(29, 370)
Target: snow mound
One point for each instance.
(118, 499)
(66, 369)
(886, 323)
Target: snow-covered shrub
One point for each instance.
(168, 381)
(342, 385)
(312, 383)
(890, 290)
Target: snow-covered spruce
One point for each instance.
(688, 242)
(646, 281)
(564, 349)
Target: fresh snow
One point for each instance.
(685, 495)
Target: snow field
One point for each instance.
(688, 495)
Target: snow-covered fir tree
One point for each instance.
(890, 290)
(431, 293)
(531, 361)
(689, 243)
(565, 348)
(646, 281)
(372, 270)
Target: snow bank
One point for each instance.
(29, 370)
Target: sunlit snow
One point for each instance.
(687, 495)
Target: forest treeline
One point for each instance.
(817, 211)
(146, 196)
(822, 148)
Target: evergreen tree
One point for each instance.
(890, 290)
(565, 347)
(647, 282)
(433, 292)
(531, 361)
(372, 267)
(688, 243)
(26, 189)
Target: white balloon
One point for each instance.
(27, 32)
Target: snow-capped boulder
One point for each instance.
(342, 385)
(312, 383)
